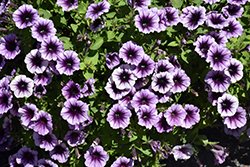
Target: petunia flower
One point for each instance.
(234, 70)
(44, 78)
(175, 115)
(219, 38)
(96, 25)
(67, 5)
(237, 2)
(211, 1)
(203, 44)
(4, 6)
(181, 81)
(220, 154)
(162, 82)
(22, 86)
(233, 11)
(9, 46)
(213, 97)
(238, 120)
(123, 162)
(26, 157)
(172, 16)
(183, 152)
(140, 3)
(147, 116)
(192, 116)
(234, 28)
(163, 65)
(47, 142)
(144, 97)
(88, 88)
(234, 132)
(96, 10)
(227, 105)
(25, 16)
(39, 90)
(2, 62)
(96, 157)
(46, 163)
(60, 153)
(126, 100)
(145, 67)
(28, 111)
(112, 60)
(75, 138)
(216, 20)
(72, 90)
(5, 101)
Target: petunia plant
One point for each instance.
(122, 83)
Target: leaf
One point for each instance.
(173, 43)
(97, 44)
(92, 61)
(177, 3)
(74, 27)
(66, 42)
(45, 13)
(184, 57)
(88, 74)
(111, 35)
(111, 15)
(63, 21)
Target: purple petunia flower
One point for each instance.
(113, 91)
(163, 65)
(235, 132)
(192, 116)
(145, 67)
(216, 20)
(213, 97)
(227, 105)
(46, 163)
(126, 100)
(219, 57)
(112, 60)
(51, 48)
(75, 138)
(220, 154)
(144, 97)
(39, 90)
(131, 53)
(96, 10)
(25, 16)
(233, 11)
(42, 123)
(238, 120)
(96, 25)
(219, 38)
(181, 81)
(234, 70)
(162, 125)
(68, 63)
(195, 17)
(140, 3)
(42, 28)
(146, 21)
(172, 16)
(5, 101)
(9, 46)
(88, 88)
(22, 86)
(184, 151)
(234, 28)
(5, 82)
(74, 111)
(96, 157)
(4, 6)
(72, 90)
(67, 5)
(44, 78)
(119, 116)
(161, 13)
(123, 162)
(175, 115)
(123, 77)
(52, 67)
(202, 45)
(26, 157)
(162, 82)
(211, 1)
(28, 111)
(174, 61)
(60, 153)
(47, 142)
(35, 63)
(217, 80)
(147, 116)
(237, 2)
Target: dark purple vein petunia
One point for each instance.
(72, 90)
(234, 70)
(233, 11)
(213, 97)
(237, 2)
(60, 153)
(88, 88)
(51, 48)
(74, 111)
(219, 38)
(42, 123)
(26, 157)
(67, 5)
(217, 80)
(47, 142)
(96, 25)
(175, 115)
(161, 125)
(162, 82)
(9, 46)
(147, 116)
(126, 100)
(234, 28)
(163, 65)
(28, 111)
(22, 86)
(123, 162)
(162, 98)
(35, 63)
(4, 6)
(131, 53)
(184, 151)
(44, 78)
(162, 18)
(123, 77)
(5, 82)
(5, 101)
(194, 18)
(146, 21)
(75, 138)
(235, 132)
(96, 157)
(145, 67)
(144, 97)
(192, 116)
(46, 163)
(96, 10)
(181, 81)
(216, 20)
(39, 90)
(140, 3)
(211, 1)
(25, 16)
(68, 63)
(112, 60)
(227, 105)
(219, 57)
(172, 16)
(202, 45)
(238, 120)
(42, 28)
(119, 116)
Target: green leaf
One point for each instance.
(92, 61)
(111, 35)
(97, 43)
(63, 21)
(66, 42)
(74, 27)
(177, 3)
(173, 43)
(184, 57)
(111, 15)
(46, 14)
(88, 74)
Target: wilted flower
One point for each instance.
(9, 46)
(235, 132)
(60, 153)
(96, 157)
(95, 10)
(227, 105)
(39, 90)
(220, 154)
(22, 86)
(5, 101)
(67, 5)
(184, 151)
